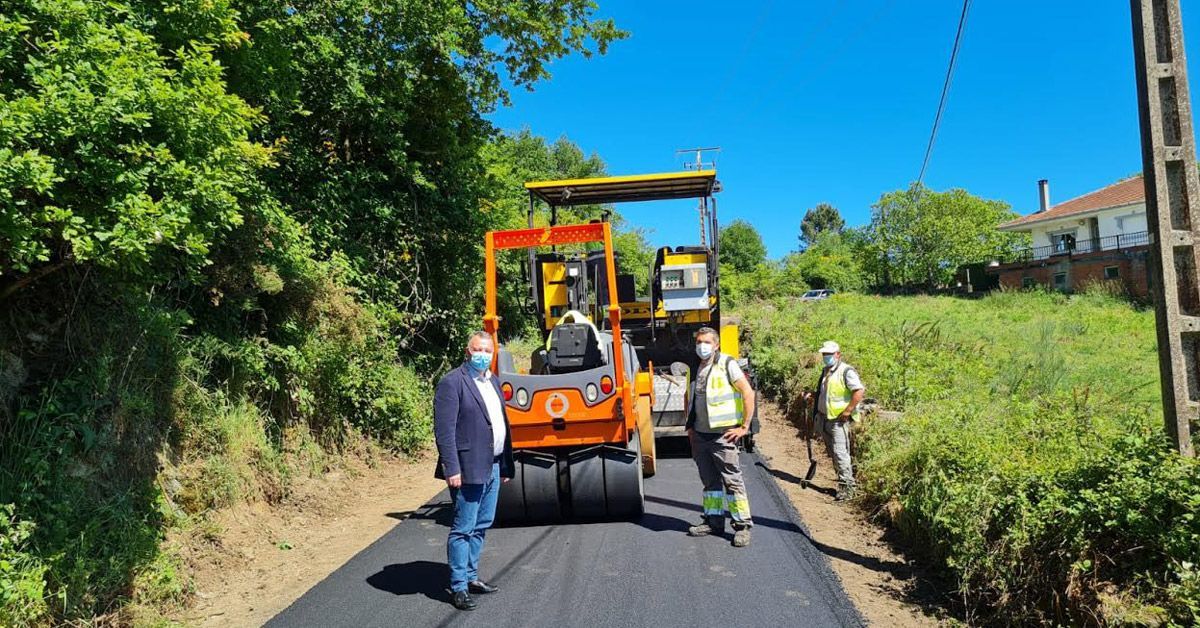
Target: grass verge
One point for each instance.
(1030, 460)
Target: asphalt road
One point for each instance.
(643, 573)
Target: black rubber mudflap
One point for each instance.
(587, 483)
(623, 480)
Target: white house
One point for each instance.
(1112, 217)
(1100, 236)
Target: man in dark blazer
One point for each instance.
(474, 457)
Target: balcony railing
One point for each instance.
(1080, 247)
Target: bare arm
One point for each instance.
(855, 399)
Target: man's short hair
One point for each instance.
(708, 331)
(479, 334)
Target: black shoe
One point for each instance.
(462, 601)
(479, 586)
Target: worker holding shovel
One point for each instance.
(839, 392)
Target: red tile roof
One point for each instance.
(1124, 192)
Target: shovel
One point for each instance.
(812, 462)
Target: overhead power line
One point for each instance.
(937, 119)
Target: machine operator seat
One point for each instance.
(573, 347)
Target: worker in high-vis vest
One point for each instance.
(720, 414)
(839, 393)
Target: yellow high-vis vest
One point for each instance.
(724, 402)
(837, 394)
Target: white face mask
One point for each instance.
(704, 349)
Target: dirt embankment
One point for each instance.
(254, 560)
(887, 588)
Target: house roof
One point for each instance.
(1124, 192)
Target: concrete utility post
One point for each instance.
(1172, 208)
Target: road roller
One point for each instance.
(580, 416)
(613, 370)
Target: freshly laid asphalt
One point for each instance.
(621, 573)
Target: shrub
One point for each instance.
(22, 584)
(1030, 461)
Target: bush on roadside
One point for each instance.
(769, 280)
(146, 432)
(1030, 460)
(22, 584)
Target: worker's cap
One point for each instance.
(830, 347)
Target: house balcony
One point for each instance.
(1119, 242)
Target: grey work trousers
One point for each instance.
(721, 473)
(836, 434)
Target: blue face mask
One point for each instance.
(704, 349)
(829, 360)
(481, 361)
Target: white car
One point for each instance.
(816, 295)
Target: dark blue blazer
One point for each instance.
(464, 431)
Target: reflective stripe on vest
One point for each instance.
(724, 402)
(837, 395)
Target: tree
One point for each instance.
(829, 262)
(824, 218)
(741, 247)
(379, 108)
(272, 208)
(115, 152)
(919, 236)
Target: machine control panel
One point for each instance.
(684, 287)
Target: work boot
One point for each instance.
(741, 537)
(844, 494)
(710, 525)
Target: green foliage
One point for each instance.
(22, 588)
(264, 221)
(919, 236)
(378, 107)
(114, 150)
(79, 457)
(742, 247)
(769, 280)
(1030, 460)
(820, 220)
(828, 262)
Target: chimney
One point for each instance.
(1043, 195)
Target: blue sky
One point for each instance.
(833, 101)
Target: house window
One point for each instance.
(1062, 241)
(1028, 282)
(1112, 272)
(1060, 281)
